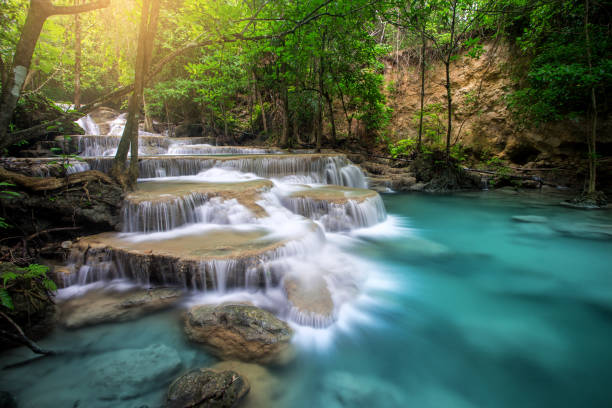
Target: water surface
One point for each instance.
(463, 307)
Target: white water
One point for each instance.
(305, 249)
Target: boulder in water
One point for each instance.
(240, 331)
(128, 373)
(205, 388)
(107, 306)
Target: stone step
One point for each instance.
(164, 205)
(200, 257)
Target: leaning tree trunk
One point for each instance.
(129, 139)
(38, 13)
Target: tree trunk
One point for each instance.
(296, 128)
(38, 12)
(319, 124)
(261, 104)
(592, 135)
(11, 91)
(284, 141)
(148, 122)
(129, 139)
(449, 95)
(420, 139)
(331, 119)
(77, 59)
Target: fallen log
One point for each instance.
(53, 183)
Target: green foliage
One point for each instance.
(32, 282)
(434, 117)
(558, 81)
(403, 147)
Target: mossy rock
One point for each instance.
(206, 388)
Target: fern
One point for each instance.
(5, 299)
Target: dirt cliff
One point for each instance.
(481, 119)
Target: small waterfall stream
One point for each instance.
(231, 221)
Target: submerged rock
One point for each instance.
(108, 306)
(240, 331)
(343, 389)
(129, 373)
(207, 388)
(536, 219)
(585, 230)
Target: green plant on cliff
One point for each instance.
(32, 282)
(569, 75)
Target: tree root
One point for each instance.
(23, 339)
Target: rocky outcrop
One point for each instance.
(205, 388)
(241, 332)
(98, 307)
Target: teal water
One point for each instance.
(465, 308)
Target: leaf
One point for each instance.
(5, 299)
(50, 285)
(8, 276)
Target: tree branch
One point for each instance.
(64, 10)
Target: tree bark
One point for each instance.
(331, 119)
(129, 140)
(449, 95)
(261, 104)
(77, 59)
(592, 135)
(52, 183)
(422, 101)
(38, 12)
(284, 141)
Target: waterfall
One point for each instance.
(206, 149)
(231, 219)
(339, 216)
(89, 126)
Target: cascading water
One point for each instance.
(89, 125)
(218, 225)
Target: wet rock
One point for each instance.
(343, 389)
(129, 373)
(107, 306)
(240, 331)
(265, 387)
(311, 301)
(205, 388)
(536, 219)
